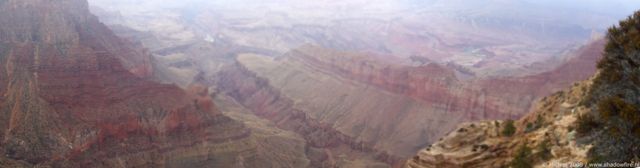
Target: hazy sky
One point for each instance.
(606, 6)
(615, 7)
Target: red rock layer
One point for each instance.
(67, 100)
(432, 84)
(40, 21)
(493, 98)
(425, 82)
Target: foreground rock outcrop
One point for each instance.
(548, 133)
(592, 124)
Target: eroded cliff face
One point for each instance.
(386, 105)
(263, 100)
(430, 82)
(42, 21)
(548, 136)
(72, 94)
(495, 97)
(544, 138)
(358, 111)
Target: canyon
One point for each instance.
(355, 101)
(489, 40)
(362, 102)
(164, 84)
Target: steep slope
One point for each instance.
(364, 97)
(484, 144)
(359, 111)
(254, 92)
(72, 94)
(593, 123)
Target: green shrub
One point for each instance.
(539, 121)
(630, 114)
(610, 107)
(522, 159)
(615, 131)
(570, 128)
(509, 129)
(529, 127)
(616, 107)
(586, 123)
(544, 153)
(535, 125)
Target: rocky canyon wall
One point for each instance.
(383, 103)
(72, 94)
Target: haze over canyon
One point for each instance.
(284, 83)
